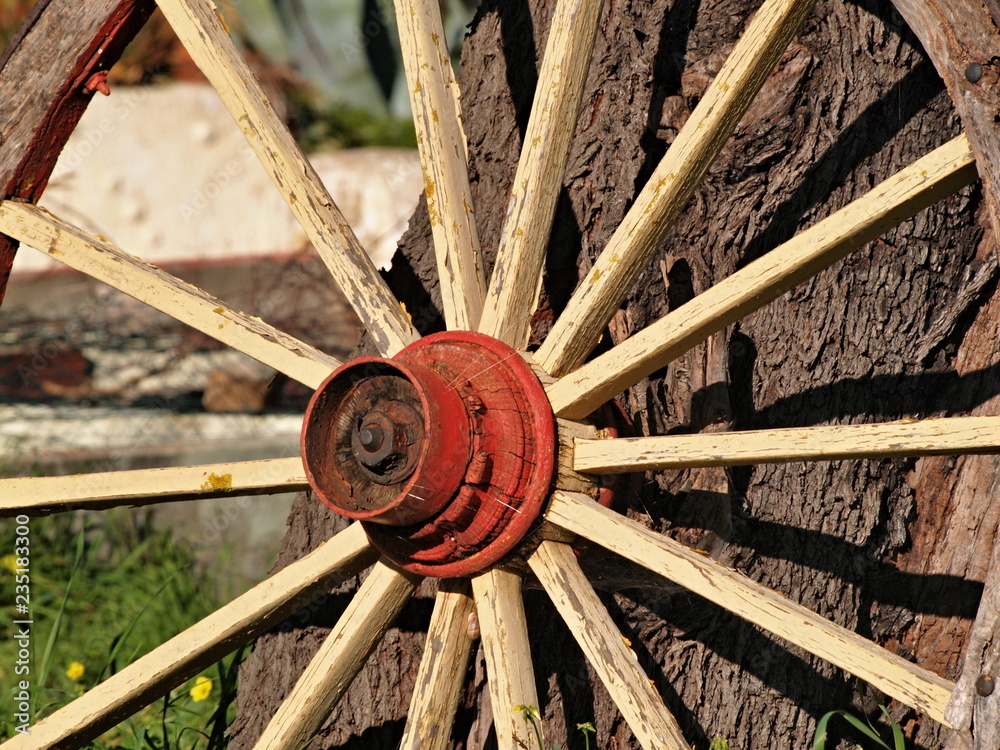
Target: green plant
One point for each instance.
(864, 727)
(532, 718)
(718, 743)
(103, 595)
(319, 127)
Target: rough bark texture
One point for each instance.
(896, 550)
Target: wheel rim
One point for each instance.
(575, 395)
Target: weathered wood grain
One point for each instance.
(178, 299)
(642, 707)
(890, 673)
(568, 477)
(925, 437)
(44, 495)
(329, 674)
(935, 176)
(975, 710)
(207, 40)
(42, 86)
(508, 653)
(442, 669)
(960, 35)
(437, 115)
(670, 187)
(517, 272)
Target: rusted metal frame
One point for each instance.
(29, 178)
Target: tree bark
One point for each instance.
(897, 550)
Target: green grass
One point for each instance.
(105, 590)
(865, 728)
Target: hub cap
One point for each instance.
(445, 452)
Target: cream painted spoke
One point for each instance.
(671, 185)
(434, 98)
(152, 676)
(186, 303)
(927, 180)
(925, 437)
(884, 670)
(642, 707)
(442, 669)
(517, 273)
(504, 630)
(43, 495)
(204, 35)
(338, 661)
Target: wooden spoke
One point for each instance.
(338, 661)
(893, 675)
(37, 227)
(442, 669)
(517, 274)
(671, 184)
(560, 574)
(204, 35)
(182, 657)
(44, 495)
(935, 176)
(508, 656)
(925, 437)
(434, 98)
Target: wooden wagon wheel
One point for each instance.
(460, 456)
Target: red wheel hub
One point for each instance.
(445, 452)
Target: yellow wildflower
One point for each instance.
(75, 670)
(201, 690)
(9, 562)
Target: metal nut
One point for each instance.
(374, 439)
(371, 436)
(384, 441)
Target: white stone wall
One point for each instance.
(164, 173)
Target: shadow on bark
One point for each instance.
(865, 137)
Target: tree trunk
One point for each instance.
(906, 327)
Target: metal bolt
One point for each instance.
(974, 72)
(98, 82)
(985, 685)
(371, 437)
